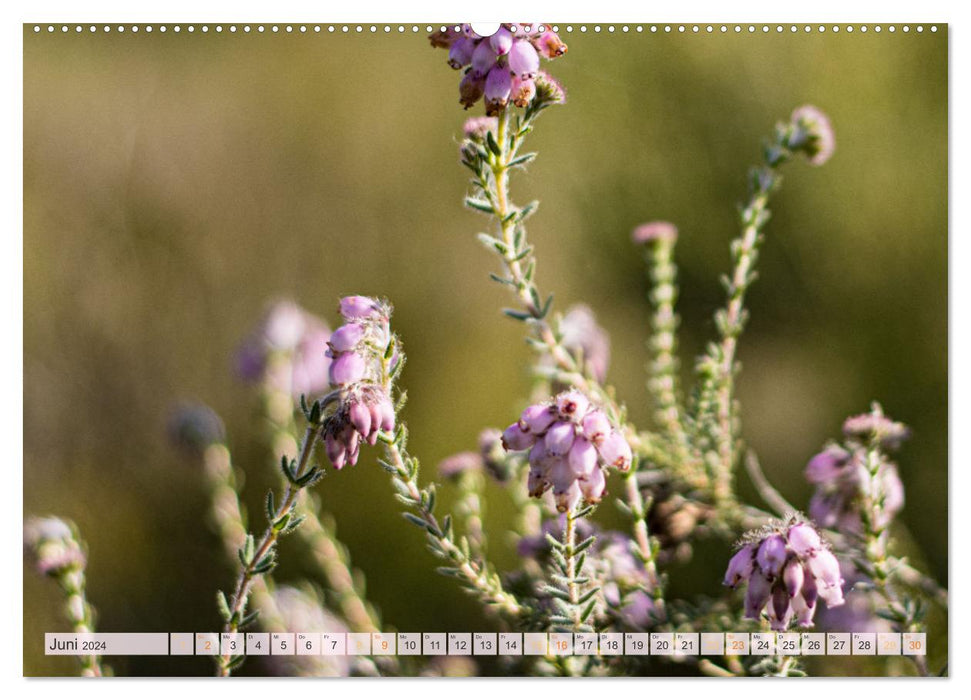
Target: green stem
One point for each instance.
(476, 576)
(247, 576)
(80, 615)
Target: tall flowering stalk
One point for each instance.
(858, 492)
(715, 417)
(59, 553)
(286, 359)
(492, 151)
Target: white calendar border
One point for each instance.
(11, 274)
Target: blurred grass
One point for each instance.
(174, 183)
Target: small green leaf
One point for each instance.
(223, 606)
(479, 205)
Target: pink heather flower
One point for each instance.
(537, 418)
(615, 451)
(596, 427)
(505, 55)
(346, 337)
(477, 127)
(549, 45)
(54, 546)
(364, 407)
(804, 540)
(460, 53)
(842, 479)
(286, 351)
(787, 567)
(771, 555)
(522, 91)
(582, 458)
(583, 337)
(740, 566)
(559, 438)
(498, 85)
(827, 465)
(471, 89)
(501, 41)
(363, 412)
(515, 438)
(655, 231)
(347, 368)
(460, 463)
(523, 60)
(562, 455)
(483, 58)
(358, 307)
(875, 426)
(572, 405)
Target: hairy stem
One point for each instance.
(475, 575)
(263, 549)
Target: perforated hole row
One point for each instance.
(414, 28)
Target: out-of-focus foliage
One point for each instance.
(173, 183)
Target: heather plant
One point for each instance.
(338, 396)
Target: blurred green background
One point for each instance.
(174, 183)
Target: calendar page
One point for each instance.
(496, 349)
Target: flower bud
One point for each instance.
(759, 589)
(827, 465)
(572, 405)
(549, 45)
(523, 59)
(536, 482)
(655, 231)
(804, 540)
(335, 451)
(559, 438)
(569, 499)
(358, 307)
(615, 451)
(346, 337)
(460, 53)
(522, 91)
(582, 458)
(501, 41)
(740, 566)
(483, 58)
(471, 89)
(592, 487)
(514, 438)
(347, 368)
(360, 416)
(596, 427)
(537, 418)
(793, 577)
(498, 84)
(771, 555)
(780, 613)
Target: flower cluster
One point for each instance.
(788, 568)
(55, 546)
(501, 68)
(357, 350)
(286, 351)
(570, 443)
(843, 477)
